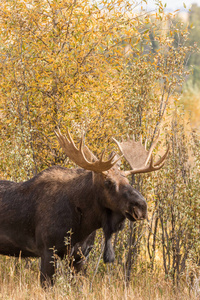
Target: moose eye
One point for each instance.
(126, 194)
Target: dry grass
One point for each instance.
(20, 282)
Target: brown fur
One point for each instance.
(37, 215)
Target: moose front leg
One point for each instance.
(112, 222)
(48, 263)
(109, 254)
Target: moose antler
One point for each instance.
(80, 156)
(140, 160)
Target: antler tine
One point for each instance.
(81, 144)
(152, 148)
(118, 144)
(70, 138)
(140, 160)
(79, 157)
(117, 159)
(101, 156)
(60, 137)
(145, 145)
(150, 168)
(162, 159)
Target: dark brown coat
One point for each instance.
(38, 214)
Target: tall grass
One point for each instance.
(19, 280)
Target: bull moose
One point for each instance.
(37, 215)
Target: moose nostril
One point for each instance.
(139, 213)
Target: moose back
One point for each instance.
(37, 215)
